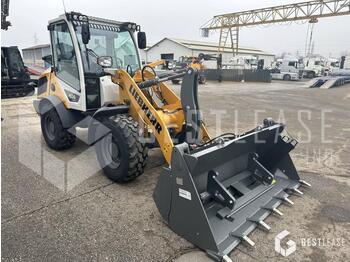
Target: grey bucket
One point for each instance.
(216, 195)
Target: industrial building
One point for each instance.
(167, 49)
(33, 55)
(173, 48)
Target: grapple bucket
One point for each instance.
(216, 195)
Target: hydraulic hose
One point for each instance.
(157, 80)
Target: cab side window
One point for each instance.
(65, 60)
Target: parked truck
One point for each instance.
(314, 66)
(288, 68)
(331, 64)
(242, 62)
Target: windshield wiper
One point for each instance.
(92, 52)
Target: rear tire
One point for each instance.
(122, 154)
(55, 135)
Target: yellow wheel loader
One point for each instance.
(213, 191)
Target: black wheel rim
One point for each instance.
(111, 152)
(49, 127)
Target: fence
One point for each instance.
(248, 75)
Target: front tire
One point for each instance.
(55, 135)
(202, 80)
(122, 154)
(287, 77)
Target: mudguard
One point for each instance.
(69, 117)
(96, 128)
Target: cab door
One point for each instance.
(66, 82)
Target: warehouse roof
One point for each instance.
(36, 47)
(210, 46)
(48, 45)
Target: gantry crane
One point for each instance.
(229, 24)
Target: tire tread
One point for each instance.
(137, 150)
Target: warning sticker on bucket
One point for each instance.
(185, 194)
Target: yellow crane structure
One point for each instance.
(229, 24)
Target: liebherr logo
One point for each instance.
(146, 110)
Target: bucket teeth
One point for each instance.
(263, 225)
(226, 258)
(297, 191)
(247, 240)
(304, 183)
(276, 211)
(287, 200)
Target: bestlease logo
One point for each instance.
(305, 242)
(291, 244)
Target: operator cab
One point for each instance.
(82, 48)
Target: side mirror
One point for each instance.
(141, 40)
(85, 33)
(48, 59)
(105, 61)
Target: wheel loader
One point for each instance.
(213, 191)
(196, 62)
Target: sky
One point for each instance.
(179, 19)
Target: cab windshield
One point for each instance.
(107, 41)
(335, 64)
(293, 63)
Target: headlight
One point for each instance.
(71, 96)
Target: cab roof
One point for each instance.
(91, 19)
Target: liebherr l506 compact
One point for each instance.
(213, 191)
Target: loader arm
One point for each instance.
(160, 118)
(173, 101)
(142, 109)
